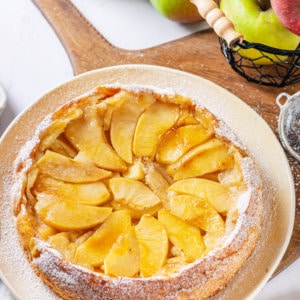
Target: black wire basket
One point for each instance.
(271, 66)
(283, 67)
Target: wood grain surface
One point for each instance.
(198, 53)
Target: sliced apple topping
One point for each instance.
(68, 216)
(135, 170)
(87, 135)
(153, 243)
(67, 169)
(61, 146)
(207, 160)
(185, 237)
(158, 183)
(133, 184)
(106, 107)
(215, 193)
(133, 195)
(152, 124)
(94, 250)
(124, 257)
(177, 142)
(93, 193)
(198, 212)
(123, 124)
(194, 152)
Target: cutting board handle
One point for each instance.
(216, 19)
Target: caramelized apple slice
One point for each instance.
(185, 237)
(215, 193)
(135, 171)
(61, 146)
(95, 248)
(234, 176)
(198, 212)
(106, 108)
(68, 216)
(210, 161)
(124, 257)
(123, 123)
(94, 193)
(186, 117)
(87, 135)
(177, 142)
(67, 169)
(158, 183)
(62, 118)
(204, 117)
(152, 124)
(196, 151)
(134, 195)
(207, 158)
(153, 243)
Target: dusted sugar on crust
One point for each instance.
(136, 193)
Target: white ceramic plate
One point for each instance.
(252, 130)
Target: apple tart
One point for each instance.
(136, 193)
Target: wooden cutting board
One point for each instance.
(198, 53)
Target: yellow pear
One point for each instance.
(152, 124)
(185, 237)
(153, 243)
(124, 257)
(96, 247)
(67, 169)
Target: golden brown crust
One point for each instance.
(199, 280)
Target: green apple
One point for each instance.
(257, 22)
(182, 11)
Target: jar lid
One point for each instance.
(289, 122)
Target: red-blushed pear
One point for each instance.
(257, 22)
(288, 13)
(182, 11)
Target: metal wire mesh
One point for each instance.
(283, 68)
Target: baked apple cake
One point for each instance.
(136, 193)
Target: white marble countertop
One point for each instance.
(32, 62)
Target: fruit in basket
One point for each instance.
(182, 11)
(258, 23)
(288, 13)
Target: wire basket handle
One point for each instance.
(216, 19)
